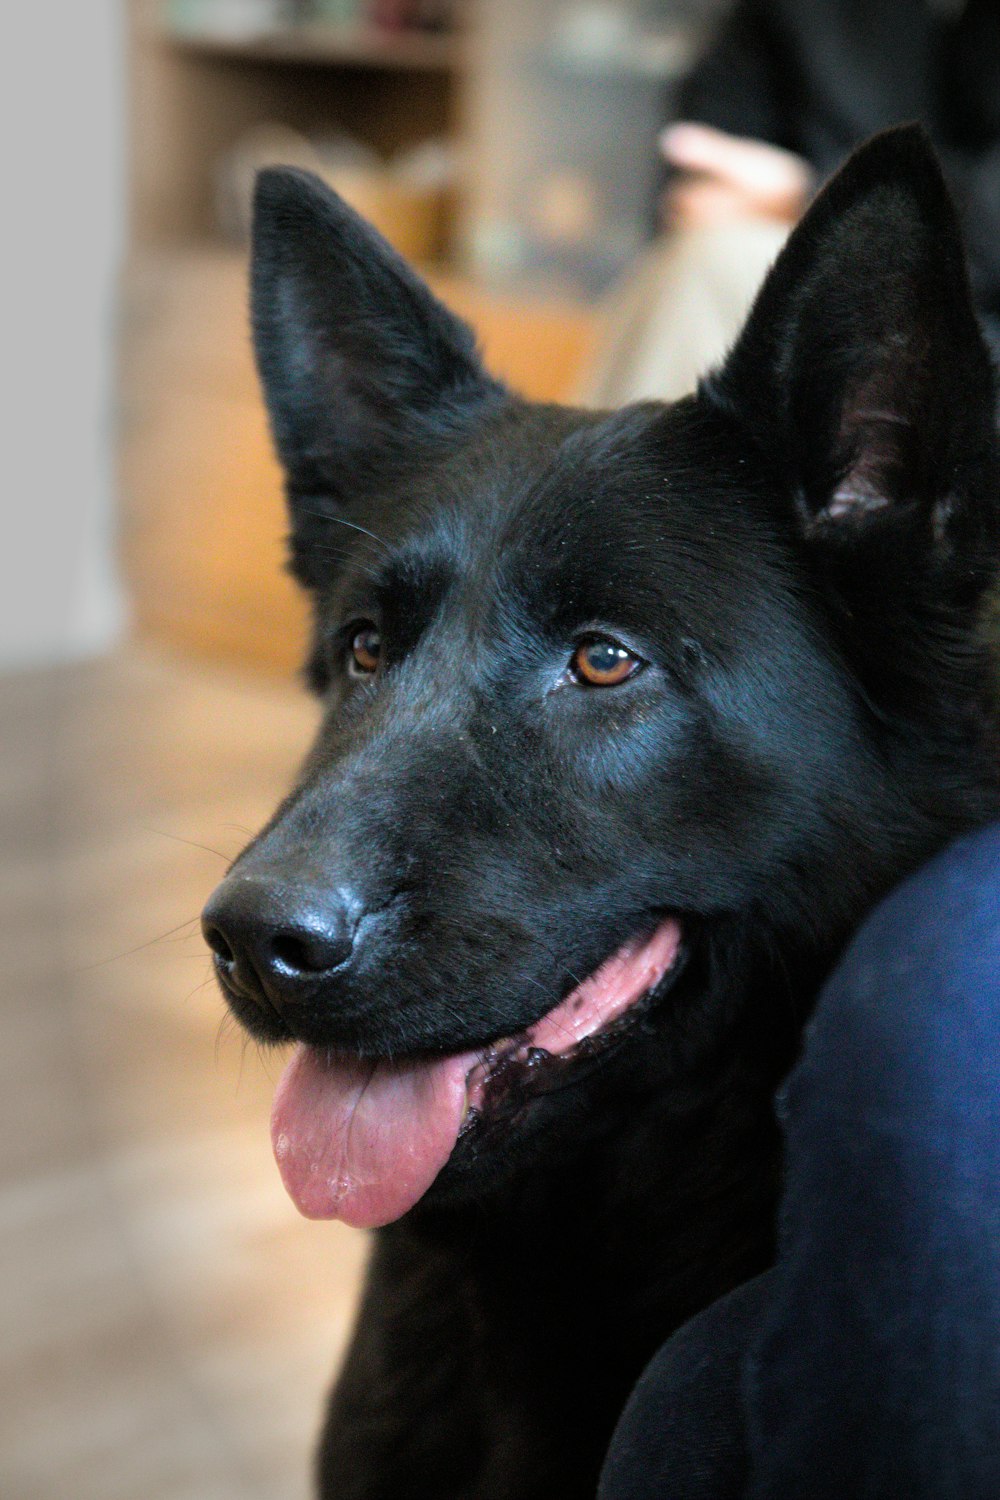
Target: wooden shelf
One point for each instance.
(319, 45)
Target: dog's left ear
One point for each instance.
(861, 372)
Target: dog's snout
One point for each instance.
(275, 942)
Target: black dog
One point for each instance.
(630, 718)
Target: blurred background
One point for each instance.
(169, 1326)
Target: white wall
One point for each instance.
(62, 210)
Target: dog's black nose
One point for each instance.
(276, 942)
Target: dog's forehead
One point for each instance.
(600, 511)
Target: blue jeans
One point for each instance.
(867, 1362)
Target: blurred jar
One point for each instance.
(338, 12)
(568, 104)
(228, 18)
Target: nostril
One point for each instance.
(216, 940)
(309, 952)
(293, 953)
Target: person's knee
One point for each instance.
(909, 1023)
(682, 1432)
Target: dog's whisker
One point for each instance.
(242, 1065)
(163, 937)
(320, 515)
(225, 1028)
(340, 521)
(193, 843)
(338, 554)
(264, 1057)
(198, 989)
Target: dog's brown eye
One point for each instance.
(366, 650)
(599, 662)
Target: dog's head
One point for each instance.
(617, 706)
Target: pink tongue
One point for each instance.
(362, 1141)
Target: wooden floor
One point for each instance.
(168, 1324)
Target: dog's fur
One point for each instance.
(799, 553)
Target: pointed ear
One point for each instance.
(861, 372)
(364, 372)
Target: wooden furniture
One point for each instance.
(203, 518)
(191, 100)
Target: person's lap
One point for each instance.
(867, 1363)
(677, 312)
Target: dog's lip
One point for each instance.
(519, 1059)
(498, 1056)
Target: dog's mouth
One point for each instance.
(363, 1140)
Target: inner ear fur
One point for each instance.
(861, 367)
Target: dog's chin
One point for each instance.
(367, 1140)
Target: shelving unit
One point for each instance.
(428, 52)
(203, 517)
(194, 96)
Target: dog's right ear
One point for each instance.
(364, 372)
(862, 375)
